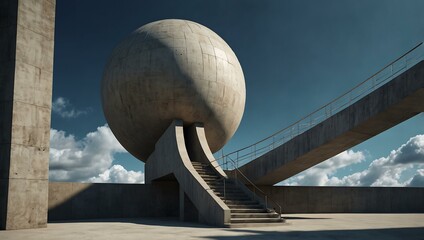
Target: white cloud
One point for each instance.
(321, 173)
(417, 180)
(63, 108)
(118, 174)
(385, 171)
(80, 160)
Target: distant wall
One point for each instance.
(347, 199)
(69, 201)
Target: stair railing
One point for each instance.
(225, 198)
(255, 188)
(280, 137)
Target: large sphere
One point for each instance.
(172, 69)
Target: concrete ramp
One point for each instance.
(394, 102)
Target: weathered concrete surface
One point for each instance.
(73, 201)
(347, 199)
(26, 60)
(69, 201)
(172, 69)
(198, 147)
(387, 106)
(300, 227)
(171, 157)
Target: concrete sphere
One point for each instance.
(172, 69)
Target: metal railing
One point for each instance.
(255, 189)
(393, 69)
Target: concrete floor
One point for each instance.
(301, 226)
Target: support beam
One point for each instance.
(26, 60)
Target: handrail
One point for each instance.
(256, 187)
(330, 109)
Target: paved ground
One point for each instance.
(301, 226)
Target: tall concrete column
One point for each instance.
(26, 69)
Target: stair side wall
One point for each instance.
(171, 157)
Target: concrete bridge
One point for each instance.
(394, 102)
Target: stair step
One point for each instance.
(255, 220)
(212, 182)
(234, 195)
(227, 187)
(242, 206)
(255, 215)
(249, 210)
(211, 177)
(221, 184)
(201, 172)
(247, 204)
(230, 191)
(235, 200)
(200, 165)
(227, 190)
(204, 169)
(249, 225)
(240, 202)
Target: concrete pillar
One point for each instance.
(26, 69)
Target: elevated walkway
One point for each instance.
(400, 98)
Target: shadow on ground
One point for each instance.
(362, 234)
(163, 222)
(303, 218)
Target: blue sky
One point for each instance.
(296, 56)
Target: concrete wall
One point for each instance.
(68, 201)
(71, 201)
(26, 70)
(347, 199)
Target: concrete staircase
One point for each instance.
(245, 211)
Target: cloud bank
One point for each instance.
(89, 159)
(385, 171)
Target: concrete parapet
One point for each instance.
(73, 201)
(297, 199)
